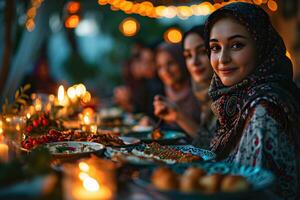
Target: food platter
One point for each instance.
(149, 154)
(259, 180)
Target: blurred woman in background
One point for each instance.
(199, 67)
(174, 75)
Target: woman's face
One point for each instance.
(196, 59)
(232, 51)
(168, 68)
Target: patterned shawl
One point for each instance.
(271, 79)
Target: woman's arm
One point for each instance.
(170, 112)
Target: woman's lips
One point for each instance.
(226, 71)
(199, 71)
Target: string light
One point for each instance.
(272, 5)
(72, 21)
(129, 27)
(31, 13)
(146, 8)
(173, 35)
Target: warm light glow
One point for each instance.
(184, 11)
(31, 12)
(73, 6)
(84, 167)
(71, 93)
(170, 12)
(87, 97)
(288, 55)
(38, 104)
(88, 111)
(86, 119)
(173, 35)
(51, 98)
(91, 184)
(61, 94)
(72, 21)
(102, 2)
(1, 127)
(272, 5)
(80, 90)
(83, 175)
(30, 24)
(129, 27)
(8, 119)
(18, 128)
(28, 115)
(160, 10)
(257, 2)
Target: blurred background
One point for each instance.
(48, 43)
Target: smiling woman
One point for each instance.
(254, 97)
(232, 51)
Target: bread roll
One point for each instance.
(165, 179)
(234, 183)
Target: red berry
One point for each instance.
(44, 122)
(61, 138)
(53, 132)
(34, 142)
(29, 129)
(27, 146)
(35, 123)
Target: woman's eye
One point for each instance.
(237, 46)
(214, 48)
(186, 55)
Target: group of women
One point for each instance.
(242, 81)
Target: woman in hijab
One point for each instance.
(198, 65)
(254, 98)
(174, 75)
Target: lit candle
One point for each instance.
(3, 153)
(61, 95)
(72, 94)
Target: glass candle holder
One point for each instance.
(12, 129)
(89, 122)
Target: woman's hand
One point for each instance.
(165, 109)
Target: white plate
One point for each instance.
(75, 148)
(129, 140)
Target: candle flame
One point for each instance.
(91, 184)
(84, 167)
(61, 93)
(80, 90)
(71, 93)
(86, 119)
(82, 176)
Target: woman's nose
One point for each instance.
(196, 60)
(224, 56)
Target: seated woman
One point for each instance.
(201, 72)
(172, 71)
(254, 97)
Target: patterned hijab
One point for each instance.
(271, 79)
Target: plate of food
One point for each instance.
(113, 140)
(73, 148)
(206, 180)
(154, 153)
(158, 135)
